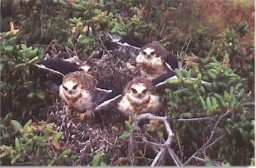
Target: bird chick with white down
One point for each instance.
(152, 60)
(77, 91)
(139, 96)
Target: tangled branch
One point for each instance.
(210, 142)
(165, 147)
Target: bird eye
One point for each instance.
(65, 88)
(153, 53)
(134, 91)
(75, 87)
(144, 53)
(145, 91)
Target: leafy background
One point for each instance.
(220, 50)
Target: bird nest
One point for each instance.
(104, 135)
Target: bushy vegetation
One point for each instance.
(212, 45)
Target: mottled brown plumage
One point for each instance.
(139, 96)
(76, 90)
(151, 61)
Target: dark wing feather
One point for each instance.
(50, 76)
(100, 95)
(58, 65)
(129, 45)
(52, 71)
(108, 103)
(172, 61)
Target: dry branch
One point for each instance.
(165, 147)
(210, 141)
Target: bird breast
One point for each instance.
(128, 107)
(81, 103)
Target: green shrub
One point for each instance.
(32, 144)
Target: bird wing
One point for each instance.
(108, 103)
(59, 66)
(100, 95)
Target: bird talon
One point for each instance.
(81, 116)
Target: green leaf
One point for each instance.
(23, 47)
(57, 136)
(188, 82)
(128, 125)
(20, 65)
(220, 99)
(5, 135)
(178, 73)
(78, 7)
(96, 161)
(33, 60)
(40, 140)
(15, 125)
(29, 122)
(17, 144)
(208, 161)
(174, 81)
(8, 48)
(122, 33)
(70, 41)
(126, 135)
(40, 95)
(101, 3)
(227, 97)
(188, 74)
(15, 158)
(65, 153)
(208, 103)
(85, 40)
(212, 75)
(202, 102)
(206, 60)
(103, 163)
(31, 95)
(7, 117)
(32, 53)
(180, 91)
(214, 101)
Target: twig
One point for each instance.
(167, 143)
(104, 46)
(208, 142)
(153, 143)
(178, 140)
(210, 138)
(41, 23)
(198, 158)
(175, 157)
(188, 45)
(211, 144)
(158, 157)
(194, 119)
(49, 45)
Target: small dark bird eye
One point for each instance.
(75, 87)
(153, 53)
(65, 88)
(145, 91)
(144, 53)
(134, 91)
